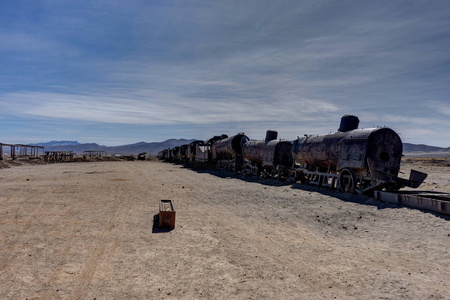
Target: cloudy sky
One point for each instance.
(119, 72)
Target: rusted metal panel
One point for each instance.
(352, 154)
(166, 214)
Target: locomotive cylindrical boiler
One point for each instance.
(317, 150)
(355, 149)
(269, 154)
(229, 147)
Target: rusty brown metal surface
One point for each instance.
(269, 154)
(229, 147)
(352, 149)
(166, 214)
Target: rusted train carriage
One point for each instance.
(353, 159)
(203, 151)
(227, 153)
(269, 157)
(192, 150)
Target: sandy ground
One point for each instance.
(85, 231)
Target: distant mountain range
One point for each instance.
(424, 150)
(150, 148)
(155, 147)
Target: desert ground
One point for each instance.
(85, 231)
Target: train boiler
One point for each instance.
(353, 159)
(270, 156)
(227, 153)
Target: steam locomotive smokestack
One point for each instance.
(348, 122)
(271, 135)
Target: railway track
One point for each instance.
(432, 201)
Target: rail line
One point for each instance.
(432, 201)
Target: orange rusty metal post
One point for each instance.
(166, 214)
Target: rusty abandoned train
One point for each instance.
(351, 159)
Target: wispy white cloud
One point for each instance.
(154, 110)
(294, 66)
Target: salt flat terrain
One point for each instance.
(85, 231)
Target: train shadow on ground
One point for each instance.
(247, 178)
(347, 197)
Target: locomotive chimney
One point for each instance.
(348, 122)
(271, 135)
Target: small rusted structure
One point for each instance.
(94, 154)
(58, 156)
(22, 151)
(166, 214)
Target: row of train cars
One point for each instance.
(350, 160)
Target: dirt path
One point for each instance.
(84, 231)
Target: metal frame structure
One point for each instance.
(22, 151)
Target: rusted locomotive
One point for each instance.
(192, 150)
(227, 153)
(353, 159)
(269, 157)
(203, 151)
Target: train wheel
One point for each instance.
(347, 181)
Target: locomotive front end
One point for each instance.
(384, 152)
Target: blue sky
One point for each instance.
(120, 72)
